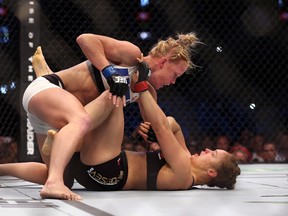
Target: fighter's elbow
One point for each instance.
(161, 126)
(81, 39)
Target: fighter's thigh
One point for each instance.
(56, 107)
(104, 142)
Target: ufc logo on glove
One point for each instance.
(119, 79)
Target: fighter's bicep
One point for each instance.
(122, 53)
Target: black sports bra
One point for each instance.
(155, 161)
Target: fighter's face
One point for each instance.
(167, 73)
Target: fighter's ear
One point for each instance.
(212, 172)
(162, 62)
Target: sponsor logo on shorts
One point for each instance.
(104, 180)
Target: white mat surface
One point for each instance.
(262, 189)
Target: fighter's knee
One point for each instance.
(84, 122)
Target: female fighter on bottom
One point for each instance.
(110, 65)
(101, 165)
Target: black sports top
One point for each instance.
(155, 161)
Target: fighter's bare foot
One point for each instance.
(58, 191)
(40, 66)
(47, 146)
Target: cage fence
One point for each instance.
(240, 81)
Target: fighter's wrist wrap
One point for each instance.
(141, 86)
(144, 72)
(108, 71)
(118, 84)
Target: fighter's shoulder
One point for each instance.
(132, 51)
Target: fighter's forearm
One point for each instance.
(153, 112)
(93, 49)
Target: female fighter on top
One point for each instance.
(57, 100)
(101, 165)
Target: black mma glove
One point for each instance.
(118, 84)
(151, 136)
(144, 72)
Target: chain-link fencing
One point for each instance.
(241, 77)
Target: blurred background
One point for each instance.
(239, 89)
